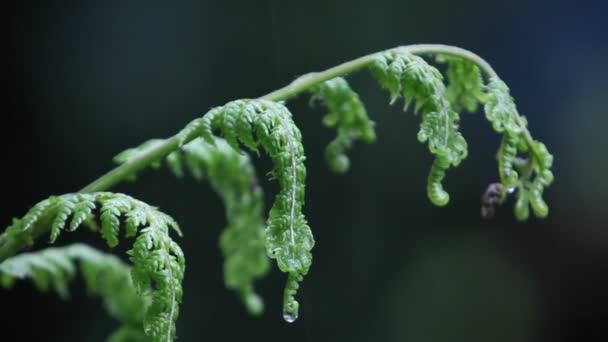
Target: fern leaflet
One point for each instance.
(347, 113)
(158, 262)
(232, 176)
(413, 78)
(530, 175)
(105, 276)
(465, 84)
(524, 164)
(268, 124)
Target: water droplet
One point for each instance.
(511, 189)
(289, 316)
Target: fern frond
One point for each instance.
(465, 84)
(404, 74)
(506, 157)
(268, 124)
(48, 269)
(105, 276)
(64, 205)
(534, 172)
(347, 113)
(83, 210)
(158, 262)
(232, 176)
(33, 215)
(500, 108)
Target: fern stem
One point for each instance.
(309, 80)
(301, 84)
(134, 165)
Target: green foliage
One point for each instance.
(347, 113)
(158, 262)
(232, 176)
(465, 84)
(500, 108)
(529, 175)
(268, 124)
(151, 296)
(287, 237)
(105, 276)
(410, 76)
(506, 157)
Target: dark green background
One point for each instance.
(90, 78)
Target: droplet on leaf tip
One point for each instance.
(290, 316)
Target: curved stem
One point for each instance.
(296, 87)
(301, 84)
(123, 171)
(307, 81)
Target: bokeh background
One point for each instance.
(90, 78)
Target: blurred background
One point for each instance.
(88, 79)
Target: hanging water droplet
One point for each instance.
(290, 316)
(290, 305)
(511, 189)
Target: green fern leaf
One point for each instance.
(175, 164)
(434, 188)
(208, 122)
(534, 170)
(232, 176)
(156, 258)
(413, 78)
(158, 262)
(136, 217)
(506, 157)
(347, 113)
(500, 108)
(110, 218)
(465, 84)
(34, 214)
(522, 206)
(288, 238)
(105, 276)
(82, 211)
(230, 112)
(50, 270)
(63, 211)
